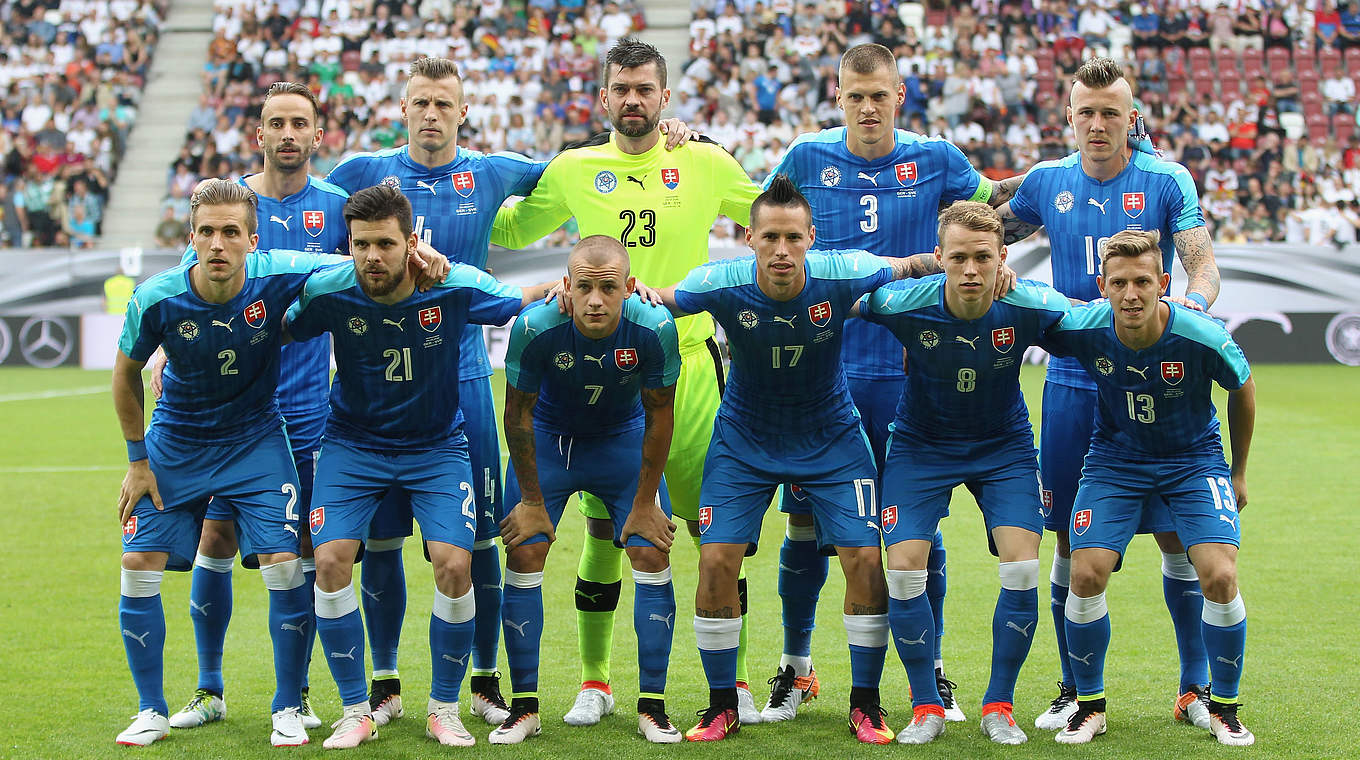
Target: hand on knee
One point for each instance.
(648, 559)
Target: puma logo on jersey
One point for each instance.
(1098, 204)
(1139, 372)
(971, 343)
(631, 178)
(658, 618)
(1229, 520)
(427, 185)
(789, 321)
(284, 222)
(599, 360)
(395, 323)
(226, 324)
(870, 177)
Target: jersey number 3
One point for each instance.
(643, 223)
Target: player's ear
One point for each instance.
(316, 141)
(566, 283)
(629, 286)
(462, 114)
(939, 257)
(901, 93)
(259, 136)
(812, 234)
(665, 98)
(1001, 257)
(1133, 117)
(412, 243)
(1100, 285)
(1166, 281)
(255, 242)
(1069, 117)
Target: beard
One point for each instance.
(632, 129)
(380, 289)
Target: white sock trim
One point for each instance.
(1019, 576)
(454, 611)
(283, 576)
(802, 666)
(309, 564)
(140, 584)
(381, 674)
(489, 543)
(1178, 567)
(800, 532)
(1224, 615)
(384, 544)
(866, 630)
(335, 604)
(652, 579)
(907, 584)
(523, 580)
(1086, 609)
(716, 634)
(1061, 574)
(214, 564)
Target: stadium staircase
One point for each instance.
(173, 88)
(668, 29)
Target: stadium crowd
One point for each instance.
(1275, 157)
(71, 76)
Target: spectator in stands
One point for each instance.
(11, 221)
(171, 230)
(1326, 23)
(79, 229)
(91, 207)
(1348, 36)
(1275, 30)
(1339, 91)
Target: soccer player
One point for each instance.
(879, 189)
(661, 206)
(589, 405)
(1081, 200)
(1156, 441)
(298, 212)
(394, 424)
(216, 434)
(454, 193)
(962, 420)
(787, 416)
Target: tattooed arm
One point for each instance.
(1196, 252)
(1016, 229)
(529, 517)
(1004, 190)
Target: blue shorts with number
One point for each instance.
(920, 476)
(606, 466)
(832, 467)
(876, 401)
(1114, 492)
(304, 438)
(351, 482)
(484, 452)
(1068, 417)
(255, 482)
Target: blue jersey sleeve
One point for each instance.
(140, 337)
(1027, 201)
(662, 369)
(695, 292)
(860, 270)
(522, 355)
(962, 181)
(519, 173)
(490, 301)
(1229, 366)
(348, 174)
(1182, 202)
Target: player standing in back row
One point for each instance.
(661, 206)
(879, 189)
(1081, 200)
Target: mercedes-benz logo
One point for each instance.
(46, 342)
(6, 341)
(1343, 338)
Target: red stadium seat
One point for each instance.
(1352, 59)
(1329, 61)
(1304, 65)
(1318, 132)
(1308, 85)
(1252, 68)
(1277, 58)
(936, 17)
(1312, 106)
(1199, 54)
(1343, 126)
(1206, 87)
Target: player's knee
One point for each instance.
(334, 566)
(527, 558)
(909, 555)
(718, 569)
(601, 530)
(1218, 579)
(1088, 579)
(217, 539)
(142, 561)
(140, 584)
(452, 568)
(284, 575)
(647, 559)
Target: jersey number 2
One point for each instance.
(646, 235)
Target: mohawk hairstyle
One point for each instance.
(781, 192)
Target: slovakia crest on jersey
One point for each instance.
(130, 528)
(625, 358)
(1003, 339)
(463, 183)
(906, 173)
(1133, 204)
(316, 520)
(670, 178)
(430, 318)
(705, 518)
(314, 222)
(797, 491)
(1172, 372)
(820, 313)
(889, 519)
(255, 314)
(1081, 521)
(1046, 499)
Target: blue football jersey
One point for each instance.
(1156, 403)
(454, 206)
(223, 364)
(1080, 214)
(888, 206)
(965, 375)
(786, 374)
(398, 364)
(310, 220)
(592, 387)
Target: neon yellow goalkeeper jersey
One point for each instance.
(661, 204)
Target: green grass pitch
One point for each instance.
(63, 670)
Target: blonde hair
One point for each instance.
(1132, 244)
(971, 215)
(224, 192)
